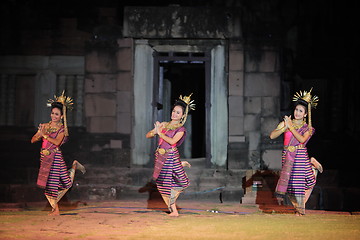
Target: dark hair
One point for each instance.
(57, 105)
(302, 103)
(181, 104)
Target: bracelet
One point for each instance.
(291, 128)
(46, 136)
(152, 133)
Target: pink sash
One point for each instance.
(47, 155)
(45, 166)
(161, 158)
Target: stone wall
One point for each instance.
(238, 147)
(254, 93)
(108, 95)
(182, 22)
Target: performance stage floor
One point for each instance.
(143, 219)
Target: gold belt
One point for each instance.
(47, 152)
(293, 148)
(163, 150)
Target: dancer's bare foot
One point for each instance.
(77, 165)
(186, 164)
(298, 214)
(174, 212)
(55, 211)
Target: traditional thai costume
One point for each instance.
(169, 173)
(53, 175)
(298, 176)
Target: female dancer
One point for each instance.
(53, 175)
(169, 173)
(297, 177)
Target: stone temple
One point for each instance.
(125, 65)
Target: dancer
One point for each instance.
(169, 173)
(53, 175)
(298, 173)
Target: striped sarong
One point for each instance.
(301, 178)
(59, 177)
(172, 179)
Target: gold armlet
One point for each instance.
(281, 129)
(46, 137)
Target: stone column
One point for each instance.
(143, 96)
(219, 108)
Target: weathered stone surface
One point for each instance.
(252, 122)
(97, 105)
(125, 42)
(124, 59)
(262, 61)
(254, 140)
(270, 106)
(252, 105)
(100, 83)
(33, 64)
(272, 159)
(101, 124)
(262, 84)
(238, 156)
(123, 124)
(123, 101)
(100, 62)
(236, 126)
(124, 81)
(236, 83)
(115, 143)
(180, 22)
(236, 106)
(236, 61)
(268, 124)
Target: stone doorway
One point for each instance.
(180, 73)
(152, 62)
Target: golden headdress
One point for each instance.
(190, 105)
(67, 103)
(312, 102)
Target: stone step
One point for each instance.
(212, 181)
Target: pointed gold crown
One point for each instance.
(306, 96)
(190, 105)
(66, 101)
(188, 101)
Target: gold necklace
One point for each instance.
(299, 125)
(170, 126)
(53, 129)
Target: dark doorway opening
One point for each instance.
(187, 78)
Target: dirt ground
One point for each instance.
(141, 219)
